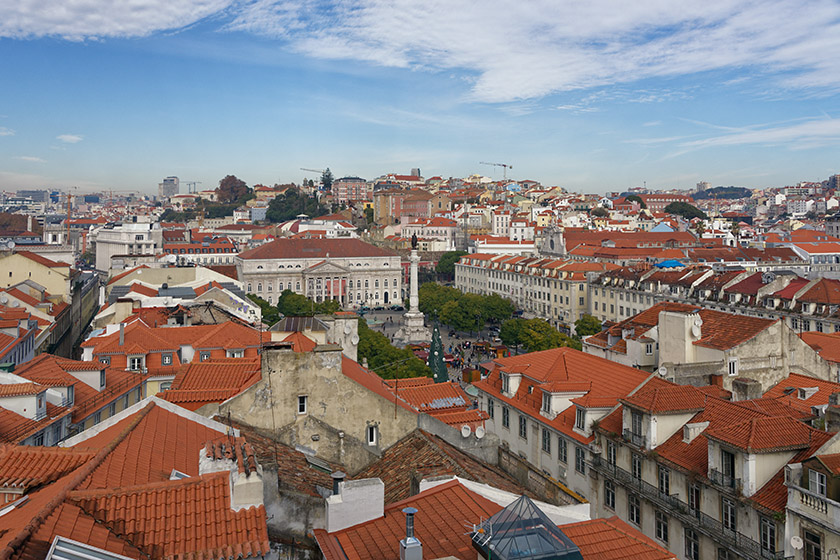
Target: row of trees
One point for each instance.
(463, 312)
(291, 204)
(537, 334)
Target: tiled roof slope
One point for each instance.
(441, 524)
(827, 345)
(286, 248)
(726, 330)
(423, 455)
(561, 370)
(188, 518)
(29, 467)
(787, 391)
(121, 499)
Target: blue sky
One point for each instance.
(593, 96)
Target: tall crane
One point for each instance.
(504, 166)
(191, 186)
(313, 170)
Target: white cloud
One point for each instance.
(70, 138)
(30, 159)
(808, 134)
(520, 50)
(89, 19)
(6, 131)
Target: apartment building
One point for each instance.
(553, 289)
(545, 405)
(130, 238)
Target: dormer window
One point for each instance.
(135, 363)
(580, 419)
(546, 402)
(505, 383)
(636, 423)
(816, 482)
(101, 378)
(105, 360)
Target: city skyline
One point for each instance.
(588, 97)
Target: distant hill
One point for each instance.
(723, 193)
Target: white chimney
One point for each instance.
(357, 501)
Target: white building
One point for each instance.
(126, 239)
(347, 270)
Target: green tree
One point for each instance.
(538, 335)
(587, 325)
(270, 313)
(497, 308)
(446, 263)
(231, 189)
(433, 296)
(636, 198)
(369, 215)
(291, 304)
(292, 203)
(463, 314)
(685, 210)
(327, 179)
(386, 360)
(511, 332)
(599, 212)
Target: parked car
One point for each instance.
(397, 308)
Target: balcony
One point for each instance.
(742, 545)
(813, 505)
(635, 439)
(725, 480)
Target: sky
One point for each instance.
(591, 95)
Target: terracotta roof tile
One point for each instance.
(671, 398)
(20, 389)
(29, 467)
(827, 345)
(764, 434)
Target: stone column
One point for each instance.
(413, 298)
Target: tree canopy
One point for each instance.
(291, 304)
(292, 203)
(231, 189)
(327, 178)
(446, 263)
(270, 313)
(434, 296)
(685, 210)
(587, 325)
(599, 212)
(463, 312)
(636, 198)
(386, 360)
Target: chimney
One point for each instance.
(338, 478)
(122, 334)
(832, 413)
(410, 547)
(357, 501)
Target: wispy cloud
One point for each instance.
(652, 123)
(70, 138)
(6, 131)
(809, 134)
(91, 19)
(30, 159)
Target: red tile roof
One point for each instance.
(670, 398)
(827, 345)
(764, 434)
(285, 248)
(30, 467)
(42, 260)
(20, 389)
(201, 383)
(787, 391)
(203, 527)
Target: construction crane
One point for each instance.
(504, 166)
(313, 170)
(191, 186)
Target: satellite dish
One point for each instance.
(466, 430)
(4, 300)
(347, 329)
(696, 331)
(479, 432)
(796, 542)
(698, 321)
(662, 371)
(354, 339)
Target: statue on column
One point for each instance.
(413, 329)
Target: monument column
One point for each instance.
(413, 329)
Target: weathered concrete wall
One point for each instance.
(548, 489)
(485, 449)
(341, 408)
(291, 517)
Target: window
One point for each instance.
(523, 426)
(371, 435)
(580, 460)
(165, 386)
(236, 353)
(546, 441)
(649, 348)
(38, 439)
(505, 383)
(693, 497)
(97, 418)
(813, 546)
(139, 394)
(816, 482)
(609, 494)
(135, 363)
(546, 402)
(664, 481)
(723, 554)
(728, 515)
(692, 545)
(733, 366)
(634, 509)
(302, 402)
(105, 360)
(636, 423)
(562, 450)
(611, 452)
(491, 407)
(112, 409)
(203, 356)
(580, 418)
(768, 535)
(505, 417)
(636, 466)
(661, 526)
(166, 359)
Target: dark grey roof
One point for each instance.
(299, 324)
(177, 292)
